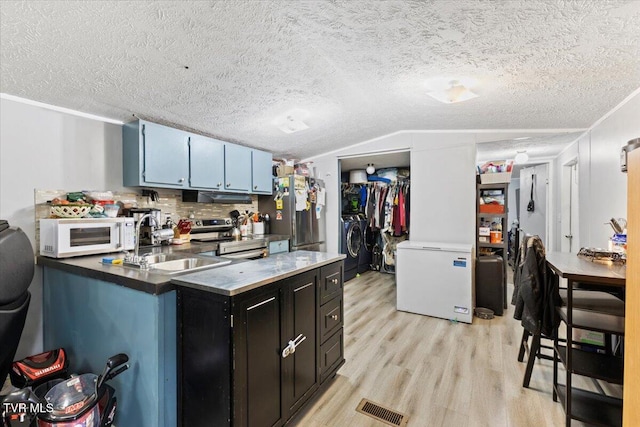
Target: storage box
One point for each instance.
(484, 231)
(284, 170)
(492, 208)
(495, 178)
(588, 337)
(496, 237)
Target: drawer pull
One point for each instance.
(334, 281)
(334, 316)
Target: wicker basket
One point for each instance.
(70, 210)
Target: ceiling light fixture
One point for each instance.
(455, 92)
(521, 157)
(290, 125)
(292, 121)
(370, 169)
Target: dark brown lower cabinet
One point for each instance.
(234, 369)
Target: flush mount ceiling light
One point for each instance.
(521, 157)
(292, 121)
(370, 169)
(454, 92)
(290, 125)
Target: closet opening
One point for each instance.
(375, 206)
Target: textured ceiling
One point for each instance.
(358, 68)
(536, 147)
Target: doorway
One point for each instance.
(569, 208)
(534, 201)
(374, 201)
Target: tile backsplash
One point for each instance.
(170, 202)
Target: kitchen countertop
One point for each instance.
(145, 281)
(237, 278)
(272, 237)
(232, 279)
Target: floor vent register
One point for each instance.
(380, 413)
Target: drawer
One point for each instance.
(278, 246)
(330, 281)
(331, 355)
(330, 317)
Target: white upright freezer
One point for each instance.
(435, 279)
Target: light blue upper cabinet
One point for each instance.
(207, 163)
(155, 155)
(237, 160)
(261, 172)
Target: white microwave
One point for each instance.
(68, 237)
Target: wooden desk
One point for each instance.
(580, 404)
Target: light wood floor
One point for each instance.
(438, 372)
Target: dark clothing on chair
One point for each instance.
(535, 296)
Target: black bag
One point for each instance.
(531, 205)
(376, 258)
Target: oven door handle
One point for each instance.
(257, 253)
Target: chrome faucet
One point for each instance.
(136, 259)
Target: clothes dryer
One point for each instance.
(351, 245)
(366, 250)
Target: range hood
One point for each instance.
(213, 197)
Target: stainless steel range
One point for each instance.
(219, 230)
(211, 230)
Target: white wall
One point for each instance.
(442, 199)
(45, 149)
(602, 187)
(443, 189)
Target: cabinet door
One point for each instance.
(237, 168)
(301, 373)
(206, 157)
(166, 155)
(261, 172)
(259, 352)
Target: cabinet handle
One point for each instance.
(219, 184)
(291, 348)
(334, 316)
(228, 184)
(334, 281)
(255, 187)
(181, 180)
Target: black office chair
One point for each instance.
(16, 272)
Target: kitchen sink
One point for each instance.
(175, 263)
(158, 258)
(186, 264)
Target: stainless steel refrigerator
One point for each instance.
(305, 227)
